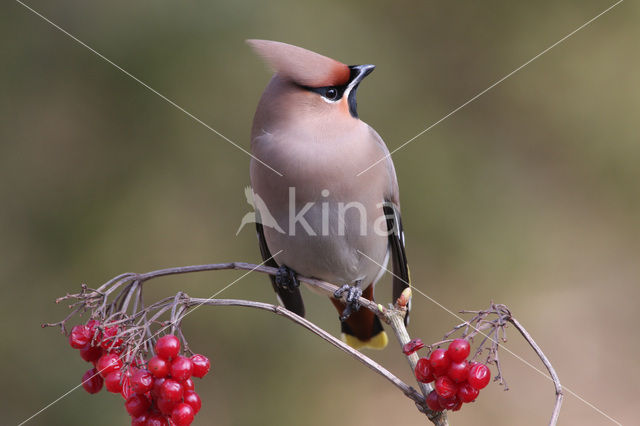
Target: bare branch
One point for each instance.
(396, 317)
(323, 286)
(134, 328)
(279, 310)
(497, 333)
(547, 364)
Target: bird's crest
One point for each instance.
(303, 66)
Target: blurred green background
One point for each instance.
(529, 196)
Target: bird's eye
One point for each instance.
(331, 93)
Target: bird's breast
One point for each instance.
(330, 220)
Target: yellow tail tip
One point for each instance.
(379, 341)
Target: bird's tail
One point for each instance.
(363, 328)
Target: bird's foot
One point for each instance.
(353, 303)
(286, 279)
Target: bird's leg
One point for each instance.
(353, 295)
(286, 278)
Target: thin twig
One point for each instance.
(279, 310)
(496, 333)
(396, 316)
(323, 286)
(138, 323)
(547, 364)
(135, 327)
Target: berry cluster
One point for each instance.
(457, 380)
(95, 344)
(159, 392)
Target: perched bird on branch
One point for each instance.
(336, 223)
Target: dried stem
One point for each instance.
(547, 364)
(396, 317)
(135, 326)
(279, 310)
(110, 304)
(496, 333)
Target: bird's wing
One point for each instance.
(392, 192)
(401, 276)
(292, 300)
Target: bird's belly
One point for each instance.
(320, 244)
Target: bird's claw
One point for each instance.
(286, 278)
(352, 298)
(339, 292)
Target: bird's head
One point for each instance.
(309, 83)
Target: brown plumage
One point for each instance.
(301, 65)
(306, 126)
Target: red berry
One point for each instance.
(449, 403)
(412, 346)
(193, 399)
(108, 363)
(90, 353)
(479, 376)
(445, 387)
(467, 393)
(166, 406)
(92, 326)
(140, 420)
(112, 381)
(439, 362)
(91, 381)
(141, 381)
(181, 368)
(182, 415)
(458, 371)
(126, 391)
(433, 402)
(159, 367)
(171, 390)
(137, 405)
(188, 385)
(423, 371)
(109, 341)
(201, 365)
(457, 406)
(79, 336)
(157, 420)
(168, 347)
(156, 389)
(459, 350)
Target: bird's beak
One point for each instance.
(359, 72)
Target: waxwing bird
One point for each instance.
(333, 225)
